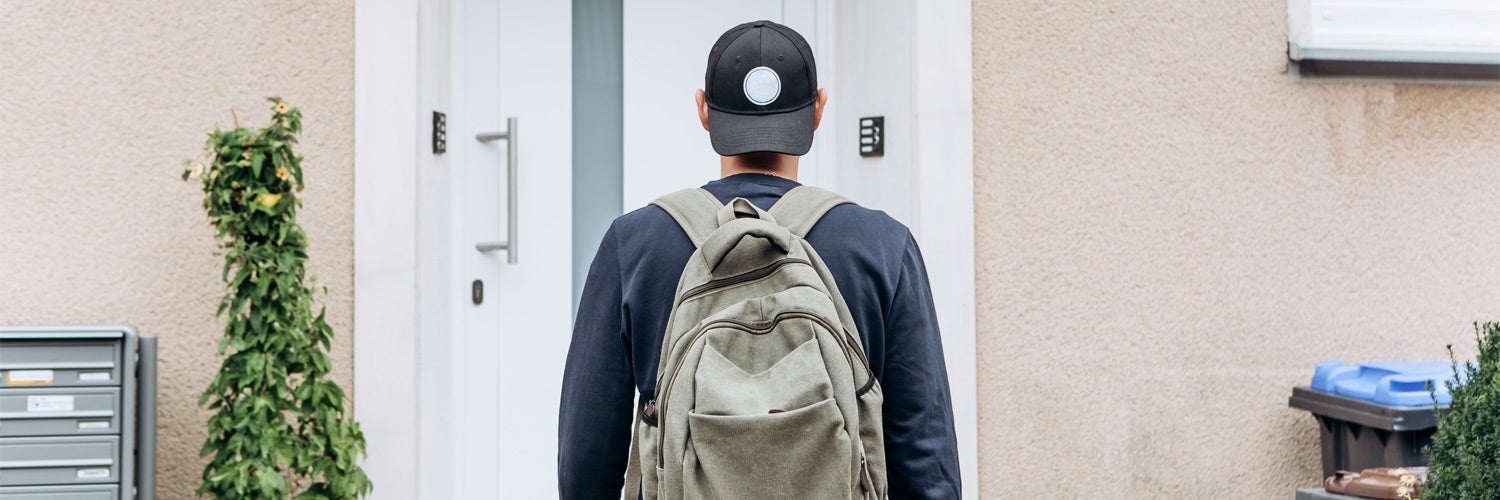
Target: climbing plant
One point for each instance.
(280, 428)
(1464, 459)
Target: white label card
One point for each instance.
(29, 377)
(93, 377)
(93, 473)
(93, 425)
(49, 403)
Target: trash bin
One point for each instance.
(1376, 414)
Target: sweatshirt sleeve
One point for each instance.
(920, 444)
(593, 432)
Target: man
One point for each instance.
(760, 108)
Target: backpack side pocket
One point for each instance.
(872, 437)
(646, 436)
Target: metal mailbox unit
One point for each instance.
(77, 413)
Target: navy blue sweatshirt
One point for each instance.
(623, 315)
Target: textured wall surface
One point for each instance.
(1171, 234)
(99, 104)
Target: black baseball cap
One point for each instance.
(761, 86)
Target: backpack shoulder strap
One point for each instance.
(799, 209)
(696, 210)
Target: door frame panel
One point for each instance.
(943, 175)
(386, 150)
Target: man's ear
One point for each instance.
(817, 109)
(703, 107)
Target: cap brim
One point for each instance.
(787, 133)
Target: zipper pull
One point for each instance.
(864, 476)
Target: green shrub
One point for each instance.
(1464, 458)
(281, 425)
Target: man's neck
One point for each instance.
(777, 164)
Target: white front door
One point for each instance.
(511, 59)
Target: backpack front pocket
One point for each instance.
(801, 453)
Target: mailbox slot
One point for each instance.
(43, 363)
(26, 461)
(79, 492)
(63, 411)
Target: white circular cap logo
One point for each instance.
(762, 85)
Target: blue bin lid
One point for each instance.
(1389, 382)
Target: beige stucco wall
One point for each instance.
(1171, 234)
(99, 104)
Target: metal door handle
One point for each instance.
(509, 136)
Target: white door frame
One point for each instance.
(943, 176)
(402, 267)
(402, 339)
(386, 156)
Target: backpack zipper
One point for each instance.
(722, 283)
(746, 277)
(844, 341)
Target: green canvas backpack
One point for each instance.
(763, 389)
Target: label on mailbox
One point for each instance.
(93, 425)
(93, 473)
(49, 403)
(29, 377)
(93, 377)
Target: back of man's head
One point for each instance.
(761, 89)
